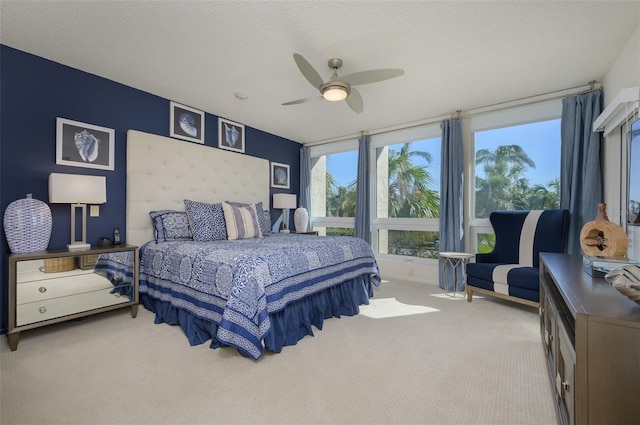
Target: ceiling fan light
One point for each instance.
(335, 94)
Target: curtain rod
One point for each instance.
(582, 89)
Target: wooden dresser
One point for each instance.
(42, 293)
(591, 337)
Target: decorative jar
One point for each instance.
(27, 225)
(301, 219)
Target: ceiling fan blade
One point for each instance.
(355, 101)
(305, 100)
(372, 76)
(308, 71)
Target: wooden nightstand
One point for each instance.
(41, 292)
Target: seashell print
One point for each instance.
(188, 124)
(87, 145)
(280, 176)
(231, 135)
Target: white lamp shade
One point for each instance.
(284, 200)
(77, 189)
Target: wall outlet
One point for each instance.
(94, 211)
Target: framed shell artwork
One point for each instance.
(186, 123)
(84, 145)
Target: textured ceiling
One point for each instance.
(456, 55)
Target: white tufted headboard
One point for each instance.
(163, 172)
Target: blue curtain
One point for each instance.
(305, 181)
(581, 185)
(363, 204)
(451, 199)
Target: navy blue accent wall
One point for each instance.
(35, 91)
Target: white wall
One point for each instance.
(624, 73)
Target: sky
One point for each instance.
(541, 141)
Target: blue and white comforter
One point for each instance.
(237, 284)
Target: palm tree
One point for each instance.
(545, 197)
(504, 186)
(410, 193)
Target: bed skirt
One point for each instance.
(288, 326)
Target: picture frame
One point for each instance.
(280, 175)
(186, 123)
(84, 145)
(230, 135)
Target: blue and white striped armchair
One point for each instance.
(510, 271)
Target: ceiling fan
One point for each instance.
(341, 88)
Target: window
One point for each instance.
(517, 168)
(333, 191)
(407, 193)
(516, 164)
(512, 161)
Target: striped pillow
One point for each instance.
(242, 222)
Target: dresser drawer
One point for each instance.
(101, 279)
(45, 289)
(38, 311)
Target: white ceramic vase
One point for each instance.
(27, 225)
(301, 219)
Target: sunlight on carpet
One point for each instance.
(383, 308)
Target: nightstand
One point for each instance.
(57, 285)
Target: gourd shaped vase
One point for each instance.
(27, 225)
(301, 219)
(602, 237)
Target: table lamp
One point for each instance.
(284, 201)
(77, 190)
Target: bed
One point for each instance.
(252, 293)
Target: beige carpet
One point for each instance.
(413, 356)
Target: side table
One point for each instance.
(456, 260)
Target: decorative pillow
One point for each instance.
(265, 224)
(169, 225)
(206, 221)
(242, 222)
(264, 220)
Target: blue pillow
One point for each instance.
(169, 225)
(206, 221)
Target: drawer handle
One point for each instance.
(42, 289)
(561, 386)
(42, 310)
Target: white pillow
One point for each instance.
(242, 222)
